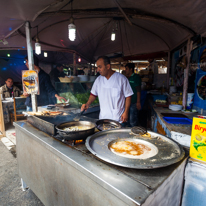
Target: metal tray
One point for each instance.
(107, 124)
(169, 152)
(62, 105)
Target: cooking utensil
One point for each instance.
(76, 135)
(139, 130)
(79, 115)
(169, 152)
(107, 124)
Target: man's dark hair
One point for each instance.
(131, 66)
(59, 65)
(36, 60)
(9, 78)
(105, 59)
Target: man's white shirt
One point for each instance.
(112, 93)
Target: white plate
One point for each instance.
(175, 109)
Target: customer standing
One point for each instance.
(113, 91)
(56, 73)
(45, 86)
(135, 83)
(9, 89)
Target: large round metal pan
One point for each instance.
(168, 153)
(75, 135)
(107, 124)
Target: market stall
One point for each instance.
(64, 173)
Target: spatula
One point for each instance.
(78, 116)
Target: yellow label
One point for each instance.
(198, 139)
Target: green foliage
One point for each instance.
(78, 98)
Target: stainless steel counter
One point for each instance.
(62, 175)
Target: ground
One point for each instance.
(10, 185)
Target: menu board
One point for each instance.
(30, 81)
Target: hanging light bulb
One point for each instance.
(72, 30)
(45, 54)
(37, 47)
(79, 59)
(113, 35)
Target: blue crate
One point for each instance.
(178, 120)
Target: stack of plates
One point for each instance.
(175, 107)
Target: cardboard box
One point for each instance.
(198, 139)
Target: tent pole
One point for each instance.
(30, 61)
(168, 70)
(186, 73)
(90, 69)
(74, 64)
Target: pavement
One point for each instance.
(11, 192)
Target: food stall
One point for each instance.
(64, 172)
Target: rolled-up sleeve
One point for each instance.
(127, 90)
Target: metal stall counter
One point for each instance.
(60, 174)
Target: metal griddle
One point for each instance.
(169, 152)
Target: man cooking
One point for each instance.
(9, 89)
(135, 82)
(45, 86)
(113, 91)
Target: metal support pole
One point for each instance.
(90, 69)
(168, 70)
(186, 73)
(74, 64)
(30, 61)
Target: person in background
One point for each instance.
(9, 89)
(135, 83)
(113, 91)
(56, 73)
(80, 72)
(45, 87)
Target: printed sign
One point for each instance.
(198, 139)
(30, 81)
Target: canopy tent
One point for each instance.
(142, 26)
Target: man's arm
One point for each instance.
(124, 116)
(90, 100)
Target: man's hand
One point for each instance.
(26, 94)
(60, 98)
(124, 117)
(84, 107)
(138, 105)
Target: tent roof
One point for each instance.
(142, 26)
